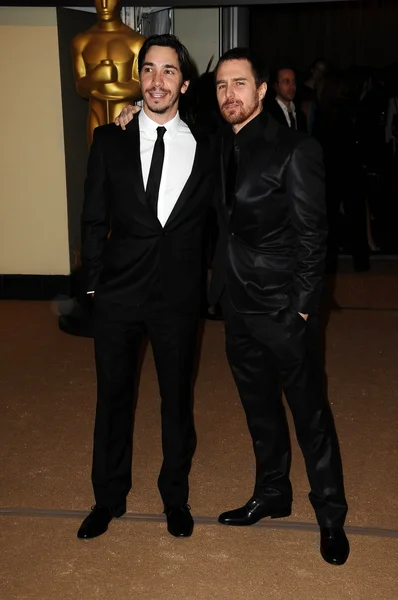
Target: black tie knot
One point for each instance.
(161, 131)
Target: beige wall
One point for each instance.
(198, 29)
(33, 208)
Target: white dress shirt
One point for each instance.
(286, 111)
(179, 155)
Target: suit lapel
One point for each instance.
(282, 117)
(224, 167)
(225, 149)
(269, 128)
(132, 151)
(198, 170)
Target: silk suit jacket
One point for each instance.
(272, 243)
(139, 253)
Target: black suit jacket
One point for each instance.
(272, 107)
(139, 252)
(271, 249)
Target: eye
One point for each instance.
(147, 69)
(169, 72)
(221, 86)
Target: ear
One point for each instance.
(262, 90)
(184, 87)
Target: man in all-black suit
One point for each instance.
(152, 184)
(268, 272)
(281, 105)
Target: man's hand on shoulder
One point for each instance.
(126, 115)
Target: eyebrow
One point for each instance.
(233, 79)
(150, 64)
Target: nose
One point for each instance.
(157, 79)
(229, 92)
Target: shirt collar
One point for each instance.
(149, 127)
(285, 108)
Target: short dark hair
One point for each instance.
(274, 78)
(260, 70)
(168, 41)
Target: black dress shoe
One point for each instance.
(179, 520)
(334, 545)
(98, 520)
(252, 512)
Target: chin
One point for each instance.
(158, 110)
(234, 118)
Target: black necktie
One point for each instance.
(231, 178)
(155, 171)
(292, 120)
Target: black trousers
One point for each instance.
(119, 331)
(266, 351)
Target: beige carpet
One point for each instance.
(47, 387)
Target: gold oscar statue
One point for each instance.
(105, 62)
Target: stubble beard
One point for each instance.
(161, 110)
(240, 115)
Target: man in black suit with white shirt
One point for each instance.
(280, 101)
(146, 197)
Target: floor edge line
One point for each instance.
(200, 520)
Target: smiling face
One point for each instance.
(161, 83)
(238, 96)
